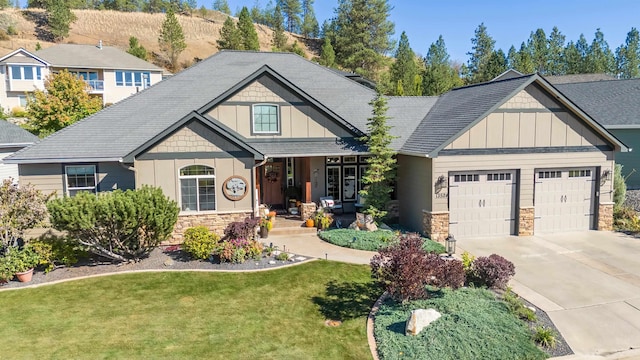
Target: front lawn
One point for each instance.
(370, 240)
(277, 314)
(474, 325)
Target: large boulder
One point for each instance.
(420, 319)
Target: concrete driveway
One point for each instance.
(588, 282)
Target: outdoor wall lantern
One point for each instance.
(606, 176)
(450, 243)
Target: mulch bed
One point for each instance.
(168, 258)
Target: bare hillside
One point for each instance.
(114, 28)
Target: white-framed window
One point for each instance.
(133, 78)
(349, 182)
(333, 182)
(197, 188)
(80, 178)
(266, 119)
(19, 72)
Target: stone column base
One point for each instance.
(215, 222)
(436, 225)
(307, 210)
(526, 219)
(605, 217)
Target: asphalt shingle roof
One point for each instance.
(578, 78)
(405, 113)
(121, 128)
(611, 103)
(11, 134)
(456, 110)
(92, 57)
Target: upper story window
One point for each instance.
(19, 72)
(197, 188)
(133, 78)
(266, 119)
(80, 178)
(86, 75)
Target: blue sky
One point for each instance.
(508, 22)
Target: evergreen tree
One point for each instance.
(496, 65)
(600, 59)
(404, 69)
(439, 75)
(291, 10)
(538, 45)
(556, 63)
(279, 39)
(479, 59)
(327, 56)
(59, 19)
(573, 59)
(309, 26)
(171, 39)
(247, 31)
(222, 6)
(628, 56)
(230, 37)
(521, 60)
(583, 49)
(380, 174)
(136, 49)
(361, 35)
(417, 85)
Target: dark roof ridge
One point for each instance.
(491, 82)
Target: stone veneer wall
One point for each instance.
(605, 217)
(307, 210)
(216, 222)
(436, 225)
(526, 220)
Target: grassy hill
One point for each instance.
(114, 29)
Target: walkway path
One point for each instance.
(311, 245)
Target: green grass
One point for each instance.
(277, 314)
(474, 325)
(369, 240)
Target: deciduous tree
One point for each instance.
(21, 208)
(171, 39)
(64, 101)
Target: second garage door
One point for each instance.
(481, 203)
(564, 200)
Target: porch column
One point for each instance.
(306, 180)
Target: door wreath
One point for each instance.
(272, 176)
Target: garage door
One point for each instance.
(564, 200)
(482, 203)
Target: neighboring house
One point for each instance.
(110, 73)
(616, 105)
(12, 139)
(234, 131)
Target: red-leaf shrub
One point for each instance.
(405, 268)
(241, 229)
(493, 271)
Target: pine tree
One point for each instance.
(230, 37)
(291, 10)
(309, 27)
(439, 75)
(381, 172)
(247, 31)
(222, 6)
(557, 64)
(404, 69)
(573, 59)
(417, 85)
(327, 56)
(600, 59)
(171, 39)
(136, 49)
(496, 65)
(361, 34)
(521, 60)
(279, 39)
(59, 19)
(538, 45)
(628, 56)
(482, 53)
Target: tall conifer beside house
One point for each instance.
(171, 39)
(404, 69)
(247, 31)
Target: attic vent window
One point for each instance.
(266, 119)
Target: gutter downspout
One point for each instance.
(130, 168)
(254, 195)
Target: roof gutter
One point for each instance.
(59, 161)
(17, 144)
(411, 153)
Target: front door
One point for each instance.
(272, 184)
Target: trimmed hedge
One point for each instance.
(371, 240)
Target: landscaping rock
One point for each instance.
(384, 226)
(301, 258)
(354, 225)
(272, 262)
(168, 262)
(371, 226)
(419, 319)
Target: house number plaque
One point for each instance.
(235, 188)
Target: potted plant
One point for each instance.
(24, 260)
(322, 219)
(266, 225)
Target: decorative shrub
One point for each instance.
(619, 187)
(283, 256)
(21, 260)
(242, 229)
(239, 250)
(404, 269)
(119, 225)
(493, 271)
(467, 261)
(626, 219)
(56, 251)
(545, 336)
(21, 208)
(517, 307)
(199, 242)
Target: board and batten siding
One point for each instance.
(7, 170)
(630, 160)
(527, 164)
(529, 119)
(298, 119)
(414, 189)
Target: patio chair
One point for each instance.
(327, 203)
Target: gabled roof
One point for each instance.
(578, 78)
(508, 74)
(14, 136)
(93, 57)
(613, 103)
(120, 129)
(460, 109)
(27, 58)
(404, 115)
